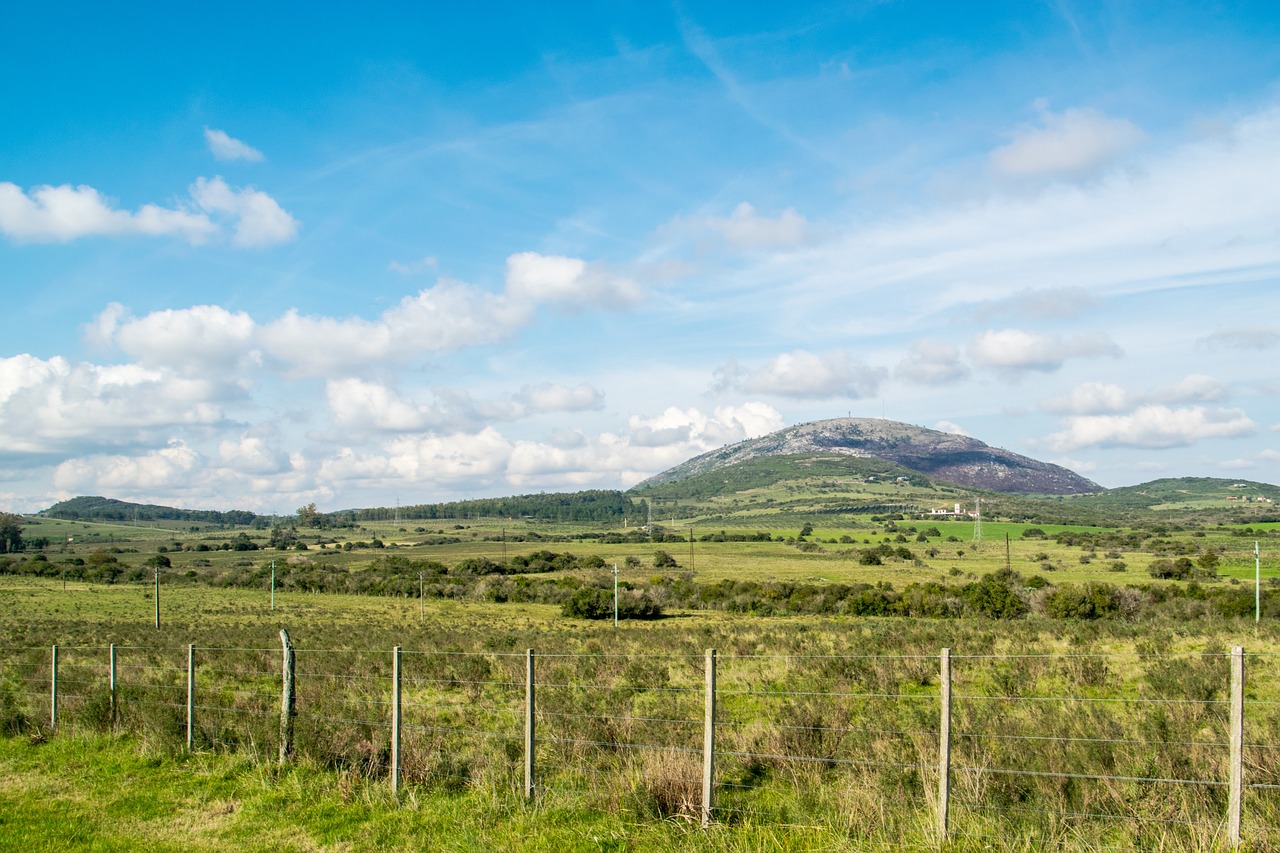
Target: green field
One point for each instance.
(1093, 710)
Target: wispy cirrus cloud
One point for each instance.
(224, 147)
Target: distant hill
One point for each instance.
(95, 508)
(954, 459)
(1189, 493)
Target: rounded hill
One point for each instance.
(938, 455)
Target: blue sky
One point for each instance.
(257, 258)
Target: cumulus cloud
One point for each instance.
(65, 213)
(157, 471)
(805, 375)
(443, 318)
(648, 446)
(224, 147)
(1098, 398)
(1015, 350)
(365, 405)
(253, 454)
(446, 317)
(569, 283)
(932, 363)
(1075, 143)
(256, 218)
(56, 406)
(200, 339)
(1151, 426)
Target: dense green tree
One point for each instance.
(10, 533)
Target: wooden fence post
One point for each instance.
(111, 678)
(286, 698)
(709, 741)
(53, 688)
(395, 722)
(1236, 727)
(944, 745)
(191, 696)
(529, 732)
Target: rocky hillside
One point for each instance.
(939, 455)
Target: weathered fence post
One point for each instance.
(53, 688)
(111, 680)
(709, 741)
(944, 745)
(529, 733)
(286, 698)
(191, 696)
(395, 721)
(1236, 727)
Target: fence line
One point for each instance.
(652, 711)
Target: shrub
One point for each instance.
(1086, 601)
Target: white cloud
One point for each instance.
(932, 363)
(224, 147)
(413, 267)
(1099, 398)
(748, 229)
(649, 446)
(805, 375)
(157, 471)
(477, 459)
(1237, 464)
(1245, 338)
(250, 454)
(1015, 350)
(363, 405)
(65, 213)
(55, 406)
(357, 404)
(200, 339)
(1151, 426)
(446, 317)
(570, 283)
(443, 318)
(257, 219)
(547, 397)
(1194, 388)
(1051, 303)
(1073, 144)
(951, 427)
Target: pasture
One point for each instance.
(1074, 734)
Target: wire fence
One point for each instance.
(1120, 750)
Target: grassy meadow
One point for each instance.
(1073, 730)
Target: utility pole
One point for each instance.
(1257, 583)
(157, 595)
(273, 586)
(615, 595)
